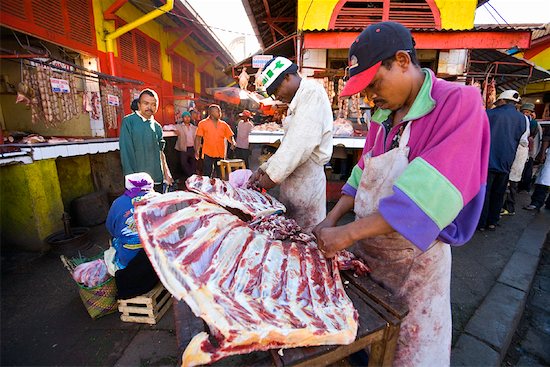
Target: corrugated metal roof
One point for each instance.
(282, 14)
(509, 72)
(539, 33)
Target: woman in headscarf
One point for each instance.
(126, 258)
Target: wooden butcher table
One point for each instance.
(379, 322)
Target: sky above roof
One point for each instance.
(228, 19)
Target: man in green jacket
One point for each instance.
(141, 142)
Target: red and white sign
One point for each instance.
(60, 85)
(258, 61)
(112, 100)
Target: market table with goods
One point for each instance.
(379, 322)
(251, 287)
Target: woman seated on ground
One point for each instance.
(126, 259)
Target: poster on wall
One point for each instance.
(113, 100)
(60, 85)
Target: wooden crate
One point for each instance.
(147, 308)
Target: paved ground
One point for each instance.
(531, 340)
(43, 321)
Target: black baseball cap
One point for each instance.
(377, 42)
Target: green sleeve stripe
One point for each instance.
(431, 191)
(355, 177)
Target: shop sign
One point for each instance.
(258, 61)
(112, 100)
(60, 85)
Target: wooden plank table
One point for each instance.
(379, 322)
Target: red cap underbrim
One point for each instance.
(358, 82)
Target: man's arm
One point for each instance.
(165, 169)
(198, 143)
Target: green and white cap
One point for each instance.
(274, 72)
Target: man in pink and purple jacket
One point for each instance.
(418, 187)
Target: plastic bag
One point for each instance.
(91, 273)
(240, 177)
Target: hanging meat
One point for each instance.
(243, 79)
(256, 287)
(250, 202)
(111, 111)
(491, 94)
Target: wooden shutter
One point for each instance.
(142, 50)
(48, 14)
(154, 56)
(81, 27)
(14, 8)
(68, 23)
(126, 47)
(411, 13)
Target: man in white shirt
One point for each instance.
(297, 166)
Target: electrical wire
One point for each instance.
(307, 12)
(488, 3)
(491, 14)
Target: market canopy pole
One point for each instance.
(110, 38)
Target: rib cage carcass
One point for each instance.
(254, 293)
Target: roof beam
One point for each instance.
(268, 16)
(277, 28)
(172, 47)
(109, 14)
(279, 20)
(210, 58)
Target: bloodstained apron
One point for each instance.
(303, 193)
(420, 279)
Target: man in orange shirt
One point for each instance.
(211, 135)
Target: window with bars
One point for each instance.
(183, 73)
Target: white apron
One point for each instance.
(303, 193)
(420, 279)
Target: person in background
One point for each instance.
(507, 126)
(540, 195)
(141, 142)
(244, 127)
(195, 116)
(298, 164)
(134, 274)
(211, 135)
(134, 105)
(185, 145)
(535, 141)
(522, 154)
(417, 189)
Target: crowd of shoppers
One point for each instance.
(518, 145)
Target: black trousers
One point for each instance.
(494, 197)
(539, 194)
(188, 162)
(510, 197)
(527, 176)
(243, 154)
(136, 278)
(210, 167)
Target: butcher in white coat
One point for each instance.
(298, 164)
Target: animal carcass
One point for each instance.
(254, 292)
